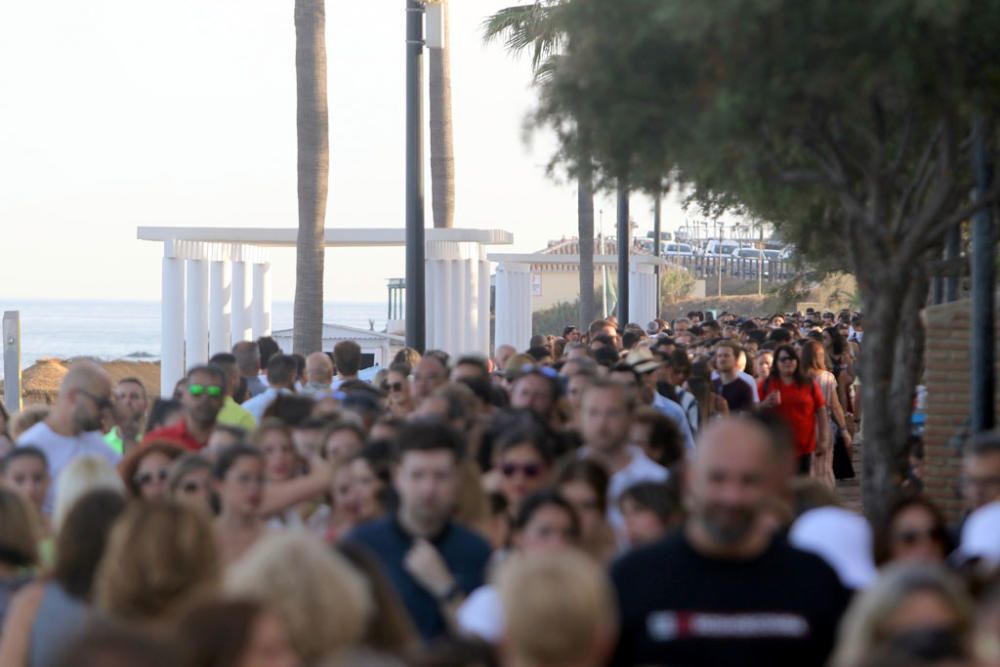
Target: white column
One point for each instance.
(483, 343)
(241, 319)
(171, 323)
(455, 310)
(513, 305)
(196, 350)
(642, 294)
(220, 308)
(261, 302)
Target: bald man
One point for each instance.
(735, 592)
(319, 374)
(73, 427)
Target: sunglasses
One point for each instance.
(912, 537)
(188, 488)
(211, 390)
(394, 387)
(147, 478)
(530, 470)
(101, 402)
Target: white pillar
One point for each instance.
(483, 343)
(220, 308)
(455, 306)
(240, 319)
(171, 324)
(261, 302)
(513, 305)
(196, 319)
(642, 306)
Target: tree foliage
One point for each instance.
(846, 123)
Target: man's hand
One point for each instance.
(427, 566)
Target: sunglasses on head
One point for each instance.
(210, 390)
(147, 478)
(530, 470)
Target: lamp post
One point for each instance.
(623, 251)
(983, 283)
(416, 329)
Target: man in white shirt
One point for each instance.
(605, 417)
(281, 372)
(73, 427)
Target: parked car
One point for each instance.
(677, 250)
(716, 248)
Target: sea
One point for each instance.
(110, 330)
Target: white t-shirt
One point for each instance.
(62, 450)
(640, 469)
(481, 615)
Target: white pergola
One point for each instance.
(513, 290)
(216, 287)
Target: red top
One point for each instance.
(799, 404)
(177, 434)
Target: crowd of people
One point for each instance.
(627, 495)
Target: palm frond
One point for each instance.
(532, 27)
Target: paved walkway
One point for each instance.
(849, 490)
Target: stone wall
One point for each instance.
(947, 377)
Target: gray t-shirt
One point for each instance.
(62, 450)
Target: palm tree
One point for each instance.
(536, 28)
(312, 125)
(442, 140)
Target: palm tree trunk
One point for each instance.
(585, 222)
(312, 125)
(442, 141)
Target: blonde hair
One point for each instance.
(18, 531)
(87, 473)
(161, 559)
(555, 606)
(323, 601)
(863, 628)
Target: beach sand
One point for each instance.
(40, 382)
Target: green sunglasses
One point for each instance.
(199, 389)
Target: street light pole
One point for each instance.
(983, 284)
(416, 329)
(623, 249)
(657, 210)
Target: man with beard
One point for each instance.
(431, 561)
(726, 590)
(129, 412)
(73, 427)
(204, 393)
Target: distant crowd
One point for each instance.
(662, 494)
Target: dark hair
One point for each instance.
(228, 457)
(480, 386)
(661, 498)
(390, 629)
(664, 435)
(545, 498)
(596, 326)
(837, 342)
(800, 376)
(982, 444)
(732, 345)
(441, 356)
(780, 335)
(268, 348)
(590, 473)
(622, 367)
(401, 367)
(290, 409)
(812, 354)
(300, 364)
(281, 370)
(525, 431)
(107, 645)
(538, 353)
(21, 452)
(883, 534)
(82, 539)
(222, 358)
(216, 634)
(425, 435)
(347, 357)
(162, 409)
(606, 356)
(133, 380)
(214, 371)
(474, 360)
(679, 361)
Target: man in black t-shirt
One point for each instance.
(736, 390)
(724, 590)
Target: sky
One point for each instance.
(116, 114)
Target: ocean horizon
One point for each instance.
(130, 329)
